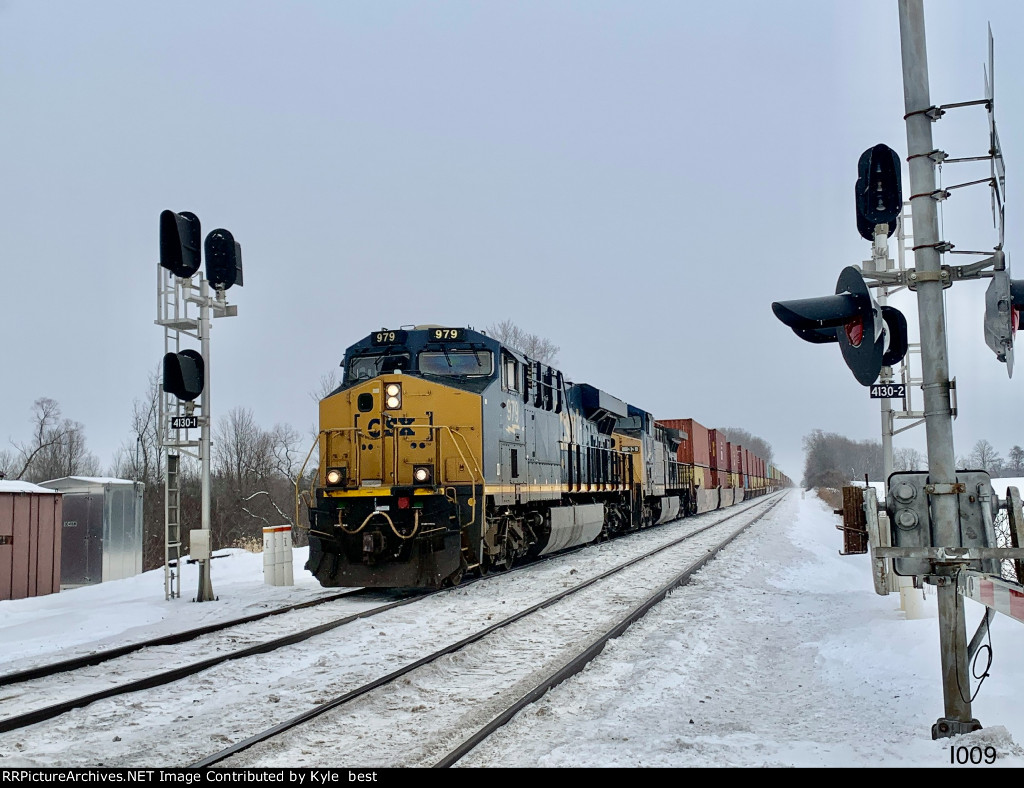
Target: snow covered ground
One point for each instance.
(779, 653)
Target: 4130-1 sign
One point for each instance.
(888, 391)
(184, 422)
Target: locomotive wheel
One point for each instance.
(497, 566)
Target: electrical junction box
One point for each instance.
(908, 504)
(199, 544)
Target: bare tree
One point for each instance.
(908, 459)
(286, 448)
(57, 448)
(141, 456)
(47, 431)
(67, 457)
(241, 449)
(6, 463)
(534, 346)
(1016, 461)
(984, 457)
(328, 383)
(255, 480)
(759, 446)
(833, 460)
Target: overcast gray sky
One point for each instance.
(635, 181)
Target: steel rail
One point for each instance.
(306, 716)
(592, 651)
(173, 639)
(159, 679)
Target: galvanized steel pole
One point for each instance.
(935, 365)
(205, 592)
(880, 261)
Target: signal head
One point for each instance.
(179, 243)
(878, 192)
(896, 336)
(866, 333)
(223, 260)
(1004, 303)
(184, 374)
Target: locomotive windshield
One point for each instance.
(366, 367)
(456, 362)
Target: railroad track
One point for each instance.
(34, 707)
(176, 638)
(37, 706)
(543, 661)
(355, 659)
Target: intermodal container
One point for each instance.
(694, 448)
(718, 447)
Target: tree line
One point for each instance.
(253, 471)
(833, 460)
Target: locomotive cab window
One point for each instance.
(366, 367)
(509, 372)
(472, 363)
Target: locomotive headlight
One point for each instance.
(422, 474)
(336, 476)
(393, 396)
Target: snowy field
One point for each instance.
(778, 654)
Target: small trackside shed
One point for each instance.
(102, 529)
(30, 540)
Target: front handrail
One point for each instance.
(475, 467)
(298, 480)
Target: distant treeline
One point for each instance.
(253, 471)
(833, 460)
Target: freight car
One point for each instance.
(444, 451)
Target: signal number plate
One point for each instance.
(888, 391)
(184, 422)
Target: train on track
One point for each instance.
(445, 452)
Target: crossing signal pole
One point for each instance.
(186, 373)
(940, 521)
(935, 367)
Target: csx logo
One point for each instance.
(373, 427)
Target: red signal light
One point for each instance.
(403, 503)
(855, 331)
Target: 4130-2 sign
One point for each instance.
(888, 391)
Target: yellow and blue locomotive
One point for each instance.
(444, 451)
